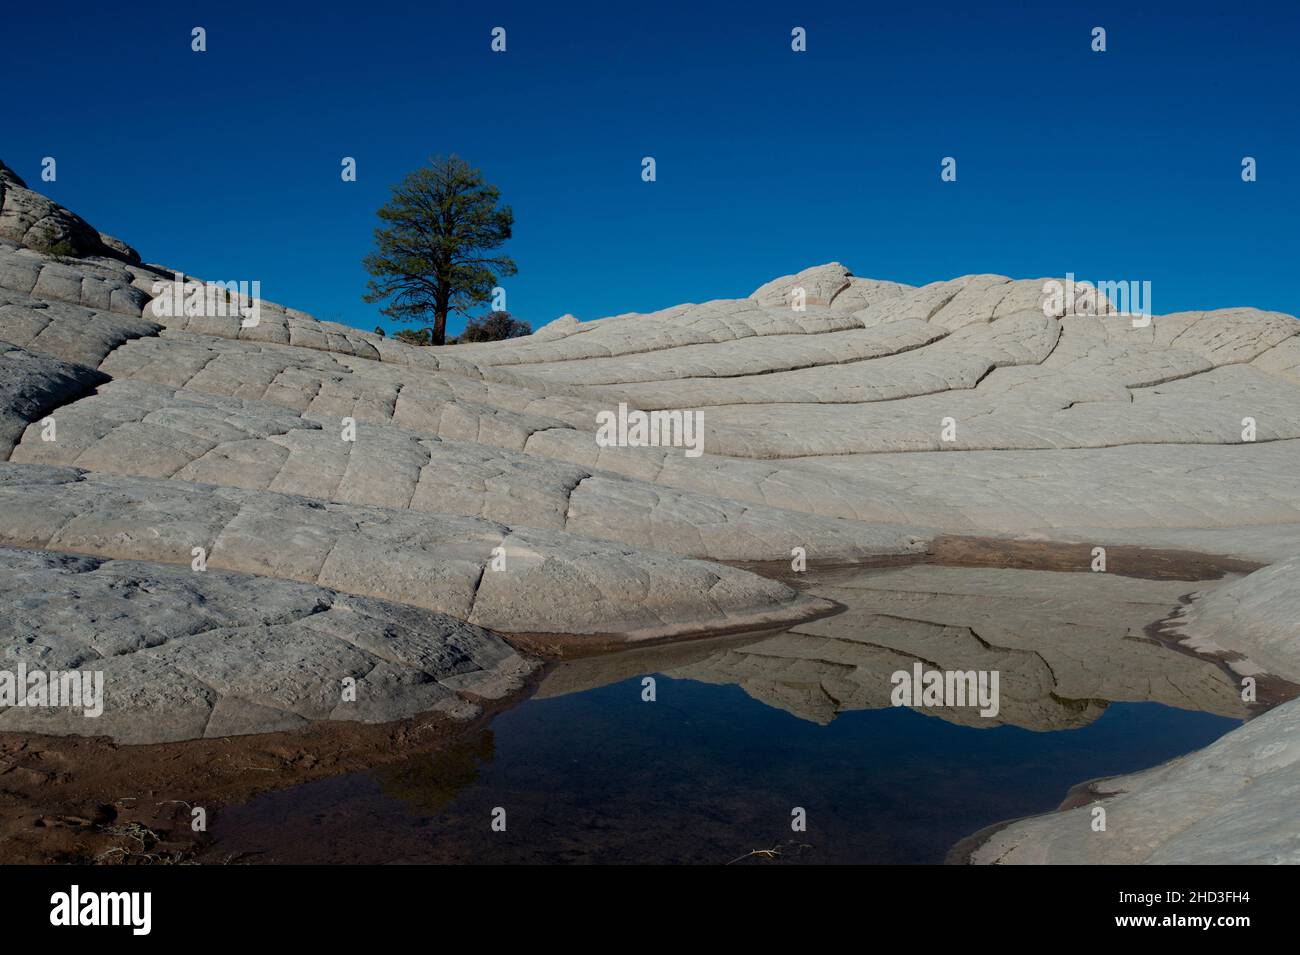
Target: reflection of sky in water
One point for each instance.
(705, 774)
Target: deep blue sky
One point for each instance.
(1120, 165)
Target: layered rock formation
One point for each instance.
(398, 510)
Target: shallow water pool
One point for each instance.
(704, 774)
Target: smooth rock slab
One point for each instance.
(1232, 803)
(747, 356)
(1258, 617)
(553, 583)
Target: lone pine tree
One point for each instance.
(434, 251)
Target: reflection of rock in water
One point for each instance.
(816, 676)
(429, 782)
(1065, 645)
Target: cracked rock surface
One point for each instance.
(187, 655)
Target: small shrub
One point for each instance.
(414, 336)
(494, 327)
(47, 243)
